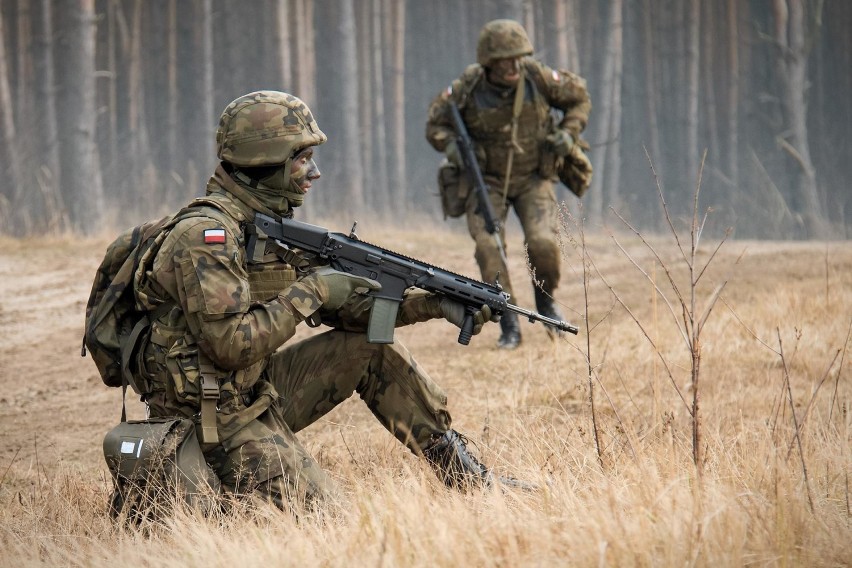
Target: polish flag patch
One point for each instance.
(214, 236)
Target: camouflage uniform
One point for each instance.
(216, 311)
(488, 112)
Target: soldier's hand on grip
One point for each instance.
(454, 313)
(333, 287)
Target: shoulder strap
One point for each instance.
(467, 83)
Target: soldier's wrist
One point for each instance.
(303, 297)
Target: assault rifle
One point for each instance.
(474, 175)
(396, 273)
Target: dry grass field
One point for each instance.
(774, 363)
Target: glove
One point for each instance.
(452, 153)
(356, 306)
(454, 313)
(561, 142)
(328, 288)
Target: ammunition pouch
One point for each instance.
(453, 187)
(155, 465)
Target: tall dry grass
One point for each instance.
(775, 428)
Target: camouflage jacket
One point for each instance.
(487, 112)
(233, 311)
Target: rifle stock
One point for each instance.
(396, 273)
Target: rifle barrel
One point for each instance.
(535, 316)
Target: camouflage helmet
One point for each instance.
(265, 128)
(500, 39)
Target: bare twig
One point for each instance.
(709, 260)
(747, 328)
(839, 372)
(591, 371)
(665, 207)
(696, 228)
(617, 415)
(589, 358)
(645, 333)
(811, 401)
(11, 463)
(798, 438)
(651, 280)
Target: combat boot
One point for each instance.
(545, 305)
(458, 468)
(510, 331)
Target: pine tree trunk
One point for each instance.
(172, 125)
(112, 146)
(599, 192)
(733, 95)
(305, 68)
(24, 101)
(693, 47)
(566, 37)
(396, 130)
(710, 34)
(10, 175)
(204, 117)
(791, 65)
(27, 200)
(283, 13)
(364, 52)
(81, 177)
(47, 142)
(378, 172)
(652, 96)
(339, 112)
(614, 136)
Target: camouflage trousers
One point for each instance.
(312, 377)
(534, 202)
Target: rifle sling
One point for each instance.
(517, 105)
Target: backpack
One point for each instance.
(113, 322)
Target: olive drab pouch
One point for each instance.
(454, 188)
(575, 169)
(155, 465)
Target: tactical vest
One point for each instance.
(489, 123)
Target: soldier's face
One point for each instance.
(304, 170)
(505, 72)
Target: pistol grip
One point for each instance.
(382, 321)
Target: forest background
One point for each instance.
(108, 108)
